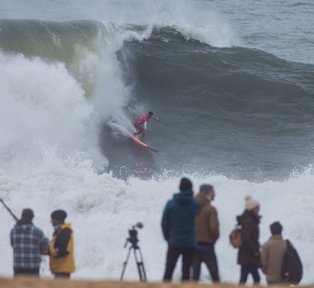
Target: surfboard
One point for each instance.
(141, 143)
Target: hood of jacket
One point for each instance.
(248, 214)
(202, 199)
(183, 198)
(66, 226)
(60, 227)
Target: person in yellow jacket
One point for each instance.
(61, 250)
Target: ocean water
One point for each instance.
(232, 84)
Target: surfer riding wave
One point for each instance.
(140, 124)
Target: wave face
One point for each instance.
(231, 114)
(235, 111)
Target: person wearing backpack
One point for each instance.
(248, 253)
(292, 268)
(272, 253)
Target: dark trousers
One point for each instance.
(62, 275)
(173, 253)
(249, 269)
(205, 254)
(26, 272)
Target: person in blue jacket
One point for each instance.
(178, 227)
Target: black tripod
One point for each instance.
(138, 258)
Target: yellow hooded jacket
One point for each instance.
(62, 250)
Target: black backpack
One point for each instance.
(291, 269)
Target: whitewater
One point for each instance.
(68, 100)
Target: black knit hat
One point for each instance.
(59, 215)
(185, 184)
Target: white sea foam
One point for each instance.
(46, 166)
(189, 17)
(103, 208)
(207, 26)
(42, 105)
(49, 147)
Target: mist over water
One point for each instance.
(235, 103)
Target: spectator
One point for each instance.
(61, 246)
(272, 253)
(207, 233)
(28, 243)
(248, 254)
(178, 227)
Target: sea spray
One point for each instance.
(239, 118)
(103, 208)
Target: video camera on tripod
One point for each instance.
(133, 239)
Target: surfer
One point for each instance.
(141, 123)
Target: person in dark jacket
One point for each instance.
(248, 254)
(61, 249)
(28, 243)
(178, 227)
(207, 233)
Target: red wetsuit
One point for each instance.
(141, 123)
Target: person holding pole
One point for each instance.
(28, 243)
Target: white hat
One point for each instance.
(250, 203)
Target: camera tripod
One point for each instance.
(139, 262)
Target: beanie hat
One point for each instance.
(59, 215)
(185, 184)
(250, 203)
(27, 214)
(276, 228)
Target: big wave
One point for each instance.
(54, 107)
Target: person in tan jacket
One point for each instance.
(272, 252)
(207, 233)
